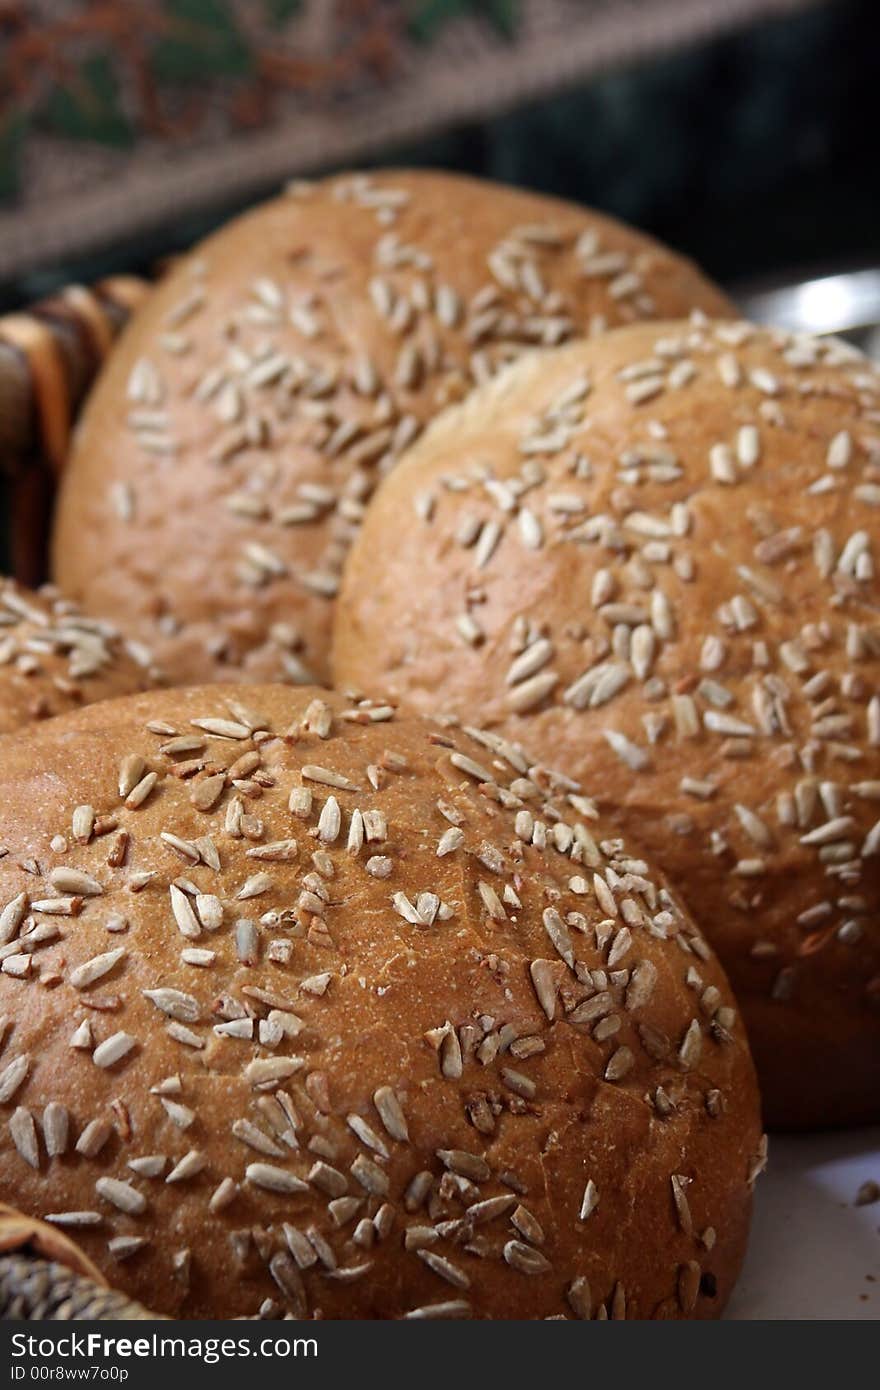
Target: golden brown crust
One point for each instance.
(279, 370)
(287, 1074)
(54, 659)
(668, 586)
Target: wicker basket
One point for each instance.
(49, 357)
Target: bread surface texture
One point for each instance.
(654, 561)
(240, 425)
(310, 1009)
(54, 659)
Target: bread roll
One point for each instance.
(228, 449)
(54, 659)
(314, 1010)
(654, 560)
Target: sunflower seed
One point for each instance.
(95, 969)
(122, 1195)
(23, 1132)
(113, 1049)
(66, 880)
(177, 1005)
(272, 1179)
(12, 1076)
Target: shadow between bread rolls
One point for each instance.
(653, 559)
(228, 449)
(317, 1009)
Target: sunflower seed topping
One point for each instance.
(272, 1179)
(121, 1195)
(95, 969)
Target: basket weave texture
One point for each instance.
(49, 357)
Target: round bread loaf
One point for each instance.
(54, 659)
(654, 561)
(312, 1009)
(227, 451)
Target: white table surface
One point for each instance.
(813, 1253)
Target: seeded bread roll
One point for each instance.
(653, 559)
(54, 659)
(304, 1015)
(228, 450)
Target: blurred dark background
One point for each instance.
(754, 152)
